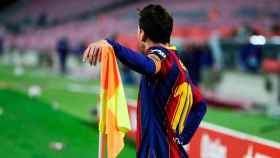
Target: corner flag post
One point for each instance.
(102, 145)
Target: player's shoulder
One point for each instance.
(160, 52)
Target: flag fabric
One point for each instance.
(114, 119)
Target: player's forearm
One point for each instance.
(195, 117)
(136, 61)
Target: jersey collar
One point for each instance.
(165, 49)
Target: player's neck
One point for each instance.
(149, 44)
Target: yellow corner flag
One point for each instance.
(114, 119)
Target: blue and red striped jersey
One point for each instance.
(169, 107)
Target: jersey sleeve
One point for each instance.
(139, 62)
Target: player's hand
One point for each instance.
(92, 54)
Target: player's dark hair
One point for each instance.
(156, 23)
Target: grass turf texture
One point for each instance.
(78, 105)
(29, 126)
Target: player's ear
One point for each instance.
(141, 35)
(144, 37)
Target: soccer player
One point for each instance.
(170, 108)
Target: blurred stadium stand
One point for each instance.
(195, 20)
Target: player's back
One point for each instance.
(164, 102)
